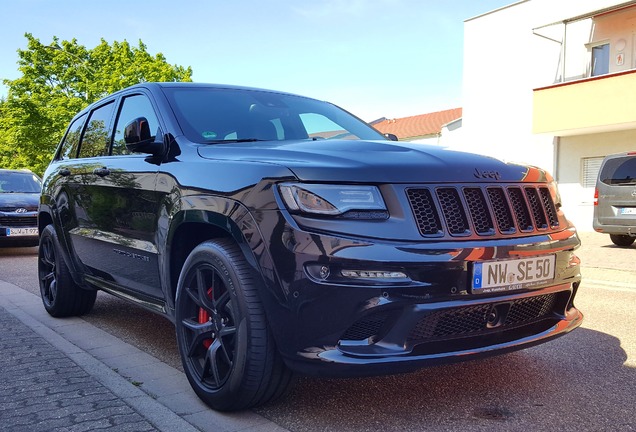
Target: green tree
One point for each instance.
(57, 81)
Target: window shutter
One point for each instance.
(591, 167)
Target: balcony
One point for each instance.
(598, 104)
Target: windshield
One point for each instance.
(18, 182)
(212, 115)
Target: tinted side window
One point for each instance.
(96, 137)
(71, 140)
(619, 171)
(132, 108)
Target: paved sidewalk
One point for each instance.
(68, 375)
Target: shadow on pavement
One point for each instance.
(579, 379)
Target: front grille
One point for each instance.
(19, 222)
(462, 211)
(478, 210)
(452, 209)
(425, 214)
(500, 207)
(473, 320)
(12, 209)
(520, 207)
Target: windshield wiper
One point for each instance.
(237, 140)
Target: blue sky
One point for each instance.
(375, 58)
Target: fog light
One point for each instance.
(370, 274)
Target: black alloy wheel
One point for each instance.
(227, 351)
(61, 296)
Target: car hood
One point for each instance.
(375, 161)
(13, 200)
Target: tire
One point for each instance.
(61, 296)
(622, 240)
(228, 352)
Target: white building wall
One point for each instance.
(451, 135)
(503, 62)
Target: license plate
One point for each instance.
(628, 210)
(509, 275)
(11, 232)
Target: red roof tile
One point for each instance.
(419, 125)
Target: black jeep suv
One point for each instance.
(282, 234)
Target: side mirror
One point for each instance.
(138, 139)
(391, 136)
(137, 131)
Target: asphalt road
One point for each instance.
(583, 381)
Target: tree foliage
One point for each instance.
(60, 79)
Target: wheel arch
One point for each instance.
(190, 228)
(45, 217)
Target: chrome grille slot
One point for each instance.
(425, 213)
(537, 210)
(478, 209)
(501, 208)
(454, 212)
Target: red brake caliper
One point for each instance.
(203, 318)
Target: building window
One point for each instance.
(591, 167)
(600, 59)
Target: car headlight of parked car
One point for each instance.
(355, 201)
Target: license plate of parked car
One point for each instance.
(22, 232)
(508, 275)
(628, 210)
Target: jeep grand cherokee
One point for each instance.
(283, 235)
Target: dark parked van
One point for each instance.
(615, 198)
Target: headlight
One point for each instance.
(322, 199)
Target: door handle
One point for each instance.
(102, 172)
(64, 172)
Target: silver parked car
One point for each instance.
(615, 198)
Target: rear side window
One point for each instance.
(71, 140)
(96, 139)
(619, 171)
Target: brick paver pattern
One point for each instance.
(45, 390)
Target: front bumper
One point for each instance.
(25, 227)
(329, 325)
(433, 334)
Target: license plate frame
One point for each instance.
(512, 274)
(21, 232)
